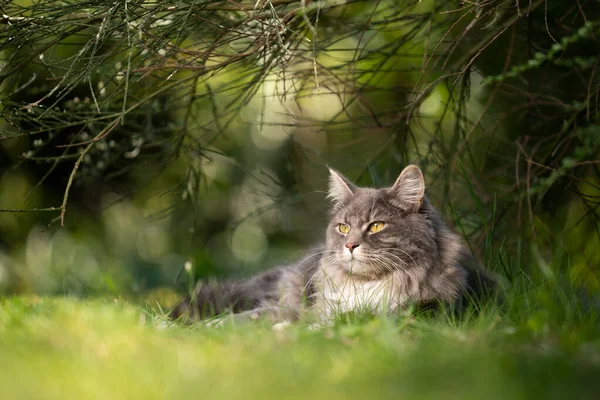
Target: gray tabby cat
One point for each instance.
(384, 249)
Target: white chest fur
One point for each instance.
(338, 293)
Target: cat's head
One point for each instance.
(374, 231)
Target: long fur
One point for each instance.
(415, 259)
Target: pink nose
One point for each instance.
(351, 246)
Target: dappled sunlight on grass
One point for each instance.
(68, 348)
(147, 148)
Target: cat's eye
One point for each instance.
(376, 227)
(343, 228)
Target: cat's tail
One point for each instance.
(213, 298)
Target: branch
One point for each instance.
(28, 210)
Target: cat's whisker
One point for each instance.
(403, 268)
(387, 262)
(392, 266)
(337, 201)
(311, 256)
(406, 271)
(400, 250)
(398, 260)
(322, 261)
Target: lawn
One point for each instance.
(67, 348)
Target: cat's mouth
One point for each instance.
(355, 257)
(365, 263)
(356, 263)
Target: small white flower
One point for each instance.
(133, 153)
(161, 22)
(188, 266)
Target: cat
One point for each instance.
(385, 249)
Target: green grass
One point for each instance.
(65, 348)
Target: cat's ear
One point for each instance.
(340, 188)
(409, 190)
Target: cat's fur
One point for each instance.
(414, 259)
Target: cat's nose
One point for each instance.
(351, 246)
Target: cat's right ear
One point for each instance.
(340, 188)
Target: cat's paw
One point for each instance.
(321, 325)
(162, 324)
(281, 325)
(214, 322)
(233, 319)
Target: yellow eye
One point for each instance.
(376, 226)
(344, 228)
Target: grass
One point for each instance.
(66, 348)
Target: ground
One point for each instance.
(67, 348)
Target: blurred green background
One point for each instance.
(187, 131)
(137, 137)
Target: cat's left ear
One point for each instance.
(409, 190)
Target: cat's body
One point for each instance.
(384, 249)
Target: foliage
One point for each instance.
(196, 132)
(64, 348)
(215, 119)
